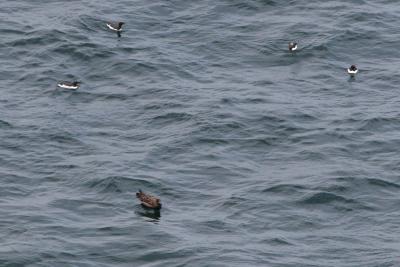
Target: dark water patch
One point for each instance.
(74, 52)
(285, 188)
(375, 148)
(269, 120)
(91, 24)
(211, 225)
(380, 124)
(133, 68)
(372, 183)
(228, 101)
(107, 186)
(303, 117)
(262, 83)
(350, 122)
(62, 138)
(119, 184)
(8, 32)
(16, 178)
(37, 39)
(172, 151)
(212, 141)
(323, 137)
(99, 52)
(220, 128)
(255, 142)
(5, 125)
(231, 202)
(14, 191)
(248, 6)
(112, 230)
(17, 141)
(352, 36)
(88, 95)
(84, 208)
(255, 101)
(364, 16)
(169, 118)
(311, 155)
(153, 215)
(92, 96)
(18, 261)
(383, 183)
(333, 188)
(133, 50)
(221, 174)
(163, 256)
(164, 105)
(325, 198)
(278, 241)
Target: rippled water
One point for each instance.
(261, 157)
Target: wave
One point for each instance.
(119, 184)
(326, 198)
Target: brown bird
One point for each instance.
(148, 201)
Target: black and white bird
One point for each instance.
(352, 70)
(69, 85)
(292, 46)
(115, 26)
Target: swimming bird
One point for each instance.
(116, 26)
(148, 201)
(69, 85)
(292, 46)
(352, 70)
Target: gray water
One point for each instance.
(261, 157)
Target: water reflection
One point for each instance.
(153, 214)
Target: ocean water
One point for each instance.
(261, 157)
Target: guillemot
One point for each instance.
(292, 46)
(115, 26)
(352, 70)
(69, 85)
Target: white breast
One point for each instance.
(67, 86)
(352, 71)
(112, 28)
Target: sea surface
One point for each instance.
(261, 157)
